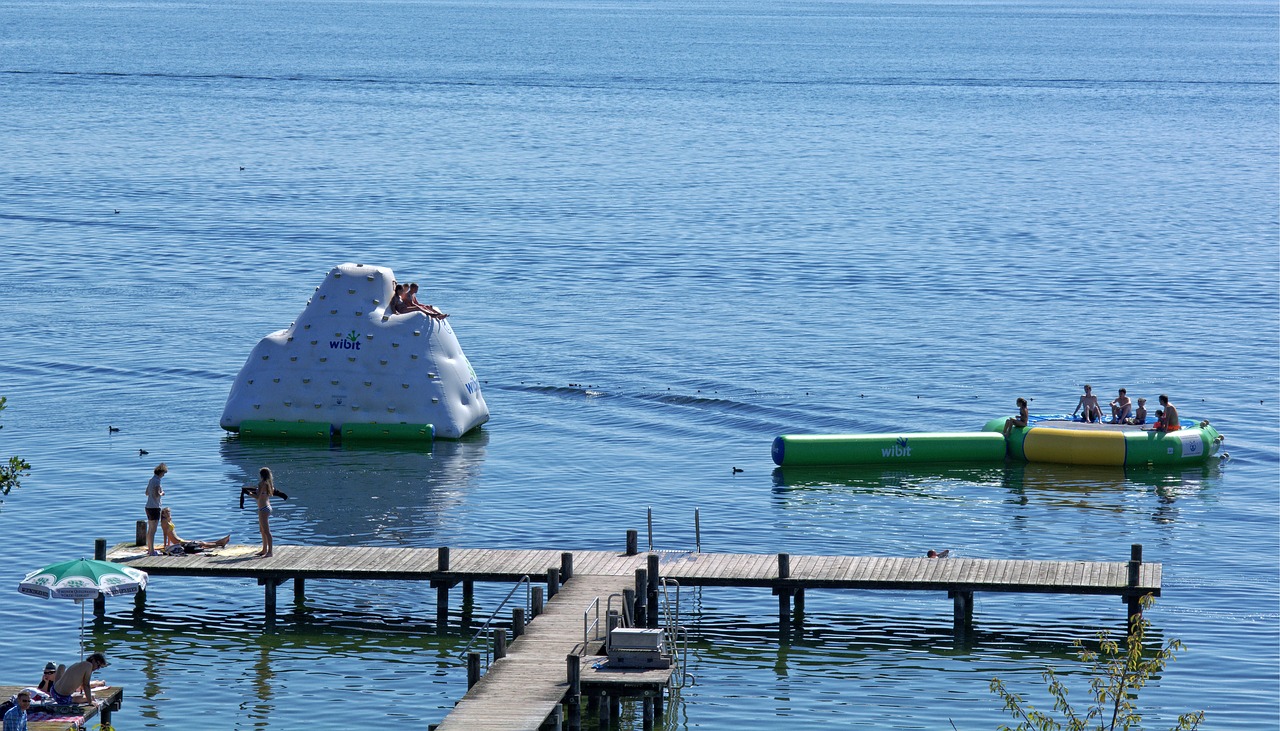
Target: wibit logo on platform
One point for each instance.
(897, 450)
(350, 342)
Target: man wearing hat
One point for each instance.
(78, 677)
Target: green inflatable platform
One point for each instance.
(796, 450)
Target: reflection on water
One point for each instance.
(1081, 486)
(366, 495)
(878, 478)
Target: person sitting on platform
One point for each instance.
(1020, 420)
(398, 305)
(1121, 407)
(1089, 402)
(411, 301)
(15, 719)
(1140, 416)
(75, 684)
(171, 536)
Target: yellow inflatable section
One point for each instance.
(1072, 446)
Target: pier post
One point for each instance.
(633, 542)
(517, 622)
(299, 590)
(566, 566)
(784, 596)
(648, 711)
(697, 532)
(442, 558)
(140, 533)
(499, 644)
(1133, 602)
(473, 669)
(654, 579)
(642, 586)
(468, 604)
(961, 613)
(100, 554)
(553, 583)
(442, 607)
(269, 592)
(629, 607)
(615, 706)
(537, 602)
(658, 704)
(574, 697)
(442, 591)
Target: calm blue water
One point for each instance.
(723, 221)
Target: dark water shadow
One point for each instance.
(384, 495)
(890, 479)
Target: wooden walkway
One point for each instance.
(690, 569)
(523, 689)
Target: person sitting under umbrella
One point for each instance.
(171, 535)
(77, 678)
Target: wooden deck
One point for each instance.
(110, 695)
(522, 689)
(690, 569)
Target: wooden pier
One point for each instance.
(551, 662)
(41, 720)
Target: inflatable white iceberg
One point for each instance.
(348, 366)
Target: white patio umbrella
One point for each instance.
(83, 579)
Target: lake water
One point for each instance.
(722, 221)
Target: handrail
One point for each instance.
(697, 534)
(677, 637)
(585, 628)
(484, 629)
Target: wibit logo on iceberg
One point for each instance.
(900, 449)
(350, 342)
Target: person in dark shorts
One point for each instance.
(154, 493)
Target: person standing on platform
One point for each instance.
(154, 493)
(266, 488)
(1171, 422)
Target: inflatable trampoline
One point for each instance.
(1065, 441)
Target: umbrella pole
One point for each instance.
(81, 601)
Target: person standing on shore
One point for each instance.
(266, 488)
(154, 493)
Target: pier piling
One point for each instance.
(100, 554)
